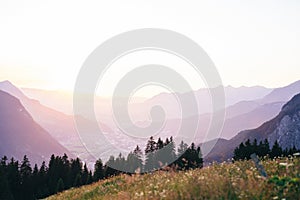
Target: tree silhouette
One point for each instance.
(243, 151)
(150, 162)
(20, 181)
(276, 150)
(99, 171)
(60, 185)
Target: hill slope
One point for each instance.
(240, 180)
(59, 125)
(20, 134)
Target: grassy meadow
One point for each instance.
(238, 180)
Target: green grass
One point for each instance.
(239, 180)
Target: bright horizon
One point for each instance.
(43, 44)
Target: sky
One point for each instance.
(43, 44)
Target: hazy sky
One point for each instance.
(44, 43)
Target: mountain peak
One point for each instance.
(6, 82)
(292, 105)
(10, 88)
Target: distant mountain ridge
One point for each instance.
(282, 94)
(20, 135)
(285, 128)
(59, 125)
(245, 114)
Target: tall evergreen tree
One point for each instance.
(276, 150)
(134, 161)
(5, 190)
(150, 161)
(43, 189)
(90, 178)
(110, 167)
(181, 161)
(78, 180)
(160, 154)
(60, 185)
(14, 178)
(120, 164)
(76, 171)
(138, 154)
(98, 170)
(170, 150)
(25, 172)
(85, 174)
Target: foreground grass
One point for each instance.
(239, 180)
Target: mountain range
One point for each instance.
(284, 128)
(247, 108)
(60, 126)
(20, 135)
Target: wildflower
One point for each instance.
(286, 164)
(283, 164)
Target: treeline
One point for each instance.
(244, 150)
(18, 180)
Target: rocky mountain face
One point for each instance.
(20, 135)
(285, 128)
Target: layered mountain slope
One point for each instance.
(61, 126)
(20, 135)
(282, 94)
(285, 128)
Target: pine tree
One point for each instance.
(35, 180)
(182, 161)
(90, 178)
(43, 189)
(120, 164)
(171, 147)
(160, 154)
(182, 148)
(150, 155)
(85, 175)
(134, 161)
(77, 181)
(5, 191)
(14, 178)
(137, 152)
(266, 150)
(52, 174)
(276, 150)
(65, 168)
(240, 152)
(110, 167)
(60, 185)
(192, 157)
(25, 172)
(199, 160)
(76, 171)
(98, 170)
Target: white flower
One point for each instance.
(283, 164)
(286, 164)
(296, 154)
